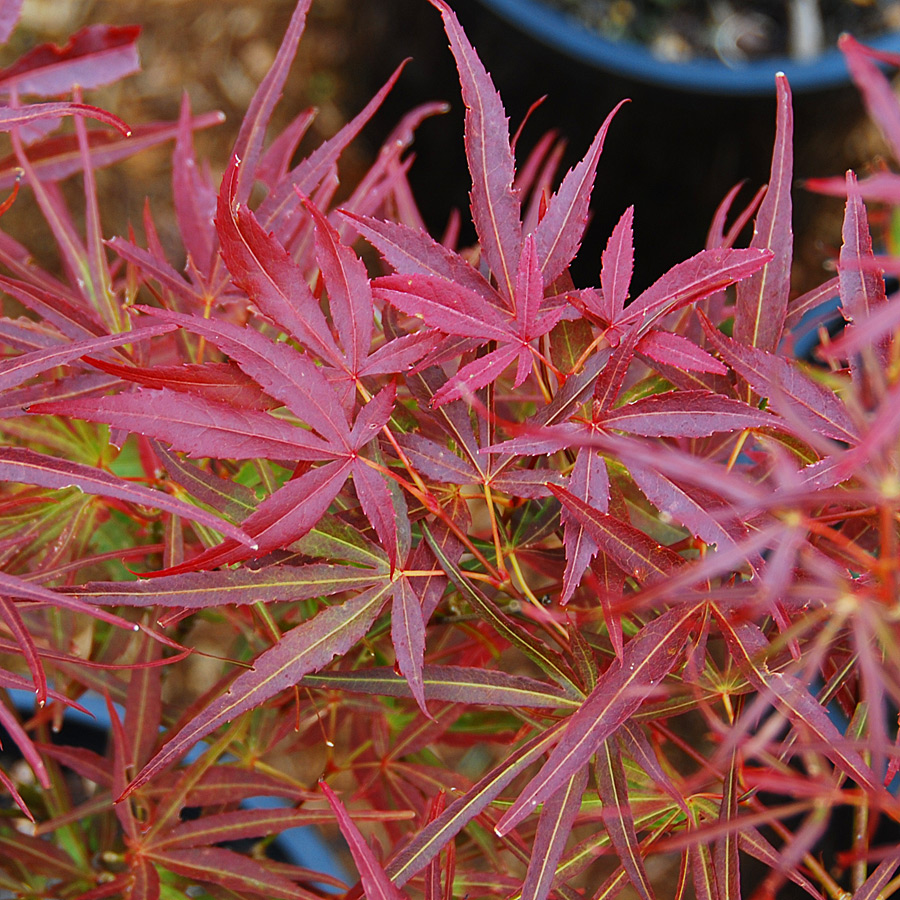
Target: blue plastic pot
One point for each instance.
(630, 60)
(301, 846)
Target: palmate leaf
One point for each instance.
(648, 657)
(304, 649)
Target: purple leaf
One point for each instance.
(456, 684)
(57, 157)
(529, 291)
(618, 816)
(408, 638)
(699, 510)
(278, 210)
(349, 292)
(306, 648)
(28, 467)
(762, 298)
(430, 840)
(232, 871)
(375, 882)
(413, 252)
(496, 211)
(249, 142)
(452, 308)
(262, 268)
(684, 414)
(199, 590)
(281, 371)
(194, 196)
(786, 387)
(694, 279)
(649, 656)
(20, 368)
(197, 426)
(791, 696)
(95, 56)
(616, 266)
(478, 373)
(10, 10)
(875, 88)
(557, 236)
(861, 283)
(375, 498)
(282, 518)
(554, 826)
(632, 550)
(589, 482)
(676, 350)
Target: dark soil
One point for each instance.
(733, 30)
(673, 156)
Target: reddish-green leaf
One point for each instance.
(428, 842)
(28, 467)
(376, 884)
(618, 817)
(21, 368)
(198, 590)
(554, 826)
(456, 684)
(762, 298)
(495, 205)
(230, 870)
(632, 550)
(304, 649)
(648, 657)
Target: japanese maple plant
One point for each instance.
(528, 589)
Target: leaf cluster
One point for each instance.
(547, 589)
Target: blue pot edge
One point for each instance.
(553, 27)
(304, 845)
